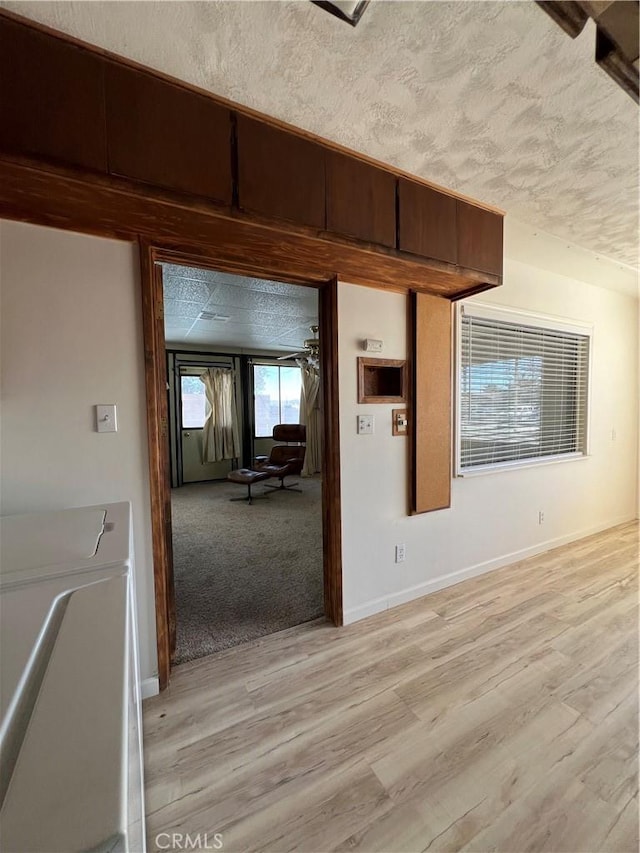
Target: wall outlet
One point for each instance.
(365, 424)
(400, 553)
(540, 517)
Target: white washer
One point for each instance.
(70, 734)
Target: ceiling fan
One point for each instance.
(311, 348)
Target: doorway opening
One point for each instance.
(245, 445)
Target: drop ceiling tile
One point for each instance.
(292, 337)
(177, 309)
(261, 285)
(177, 325)
(240, 316)
(237, 342)
(186, 290)
(177, 336)
(263, 315)
(214, 327)
(190, 273)
(298, 333)
(253, 300)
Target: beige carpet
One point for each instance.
(244, 571)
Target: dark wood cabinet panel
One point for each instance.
(427, 222)
(432, 395)
(361, 200)
(51, 98)
(166, 135)
(280, 174)
(479, 238)
(92, 119)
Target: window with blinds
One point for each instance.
(523, 390)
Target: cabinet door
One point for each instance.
(280, 174)
(51, 98)
(361, 200)
(166, 135)
(479, 238)
(427, 222)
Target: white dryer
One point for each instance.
(71, 774)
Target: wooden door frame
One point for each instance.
(157, 421)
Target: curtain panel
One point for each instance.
(220, 438)
(311, 416)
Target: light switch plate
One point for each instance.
(106, 418)
(365, 424)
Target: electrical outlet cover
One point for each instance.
(365, 424)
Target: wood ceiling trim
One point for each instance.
(568, 14)
(112, 207)
(617, 34)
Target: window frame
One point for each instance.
(185, 371)
(532, 319)
(266, 363)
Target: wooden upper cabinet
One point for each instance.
(479, 238)
(361, 200)
(280, 174)
(427, 222)
(51, 98)
(168, 136)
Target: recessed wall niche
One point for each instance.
(382, 380)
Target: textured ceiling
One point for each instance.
(248, 313)
(490, 99)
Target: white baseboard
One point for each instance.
(378, 605)
(149, 687)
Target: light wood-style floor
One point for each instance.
(499, 714)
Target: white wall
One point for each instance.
(71, 337)
(493, 519)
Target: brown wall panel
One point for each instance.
(361, 200)
(167, 136)
(427, 222)
(479, 238)
(51, 98)
(280, 174)
(432, 398)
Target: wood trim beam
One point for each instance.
(611, 60)
(112, 207)
(331, 500)
(568, 14)
(617, 41)
(157, 429)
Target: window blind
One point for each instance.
(522, 393)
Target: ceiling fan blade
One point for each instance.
(290, 355)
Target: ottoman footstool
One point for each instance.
(247, 477)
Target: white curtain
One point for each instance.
(311, 416)
(220, 432)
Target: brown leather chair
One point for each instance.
(284, 459)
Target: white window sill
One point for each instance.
(525, 463)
